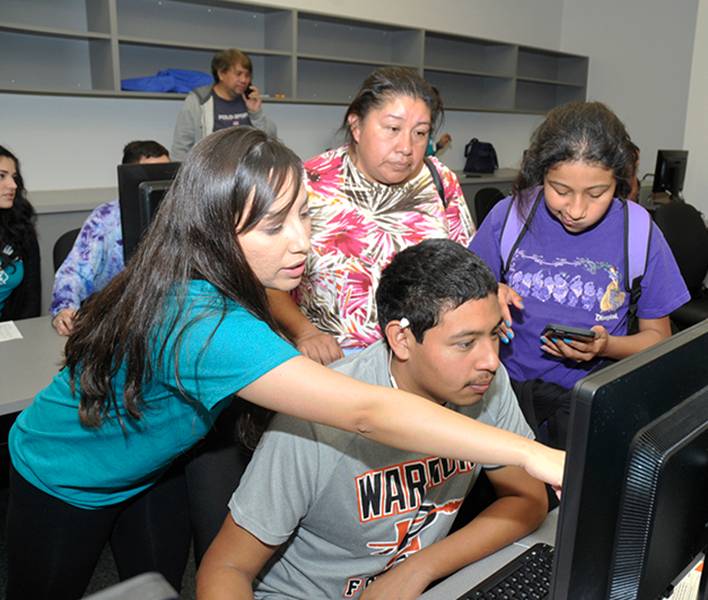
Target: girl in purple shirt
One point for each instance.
(569, 265)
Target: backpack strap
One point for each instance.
(436, 180)
(513, 230)
(637, 240)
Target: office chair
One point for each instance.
(63, 246)
(687, 236)
(484, 201)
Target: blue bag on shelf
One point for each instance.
(180, 81)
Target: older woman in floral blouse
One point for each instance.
(369, 199)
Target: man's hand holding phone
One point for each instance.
(252, 98)
(574, 343)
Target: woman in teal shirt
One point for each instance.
(19, 251)
(158, 353)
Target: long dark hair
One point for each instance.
(231, 177)
(16, 222)
(578, 131)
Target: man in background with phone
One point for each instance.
(231, 101)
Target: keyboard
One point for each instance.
(526, 577)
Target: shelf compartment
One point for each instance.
(472, 92)
(80, 16)
(53, 32)
(271, 74)
(215, 24)
(552, 66)
(180, 45)
(346, 60)
(356, 40)
(330, 82)
(458, 54)
(550, 82)
(532, 96)
(44, 62)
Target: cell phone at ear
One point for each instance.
(248, 91)
(556, 330)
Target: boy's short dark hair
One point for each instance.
(427, 279)
(134, 151)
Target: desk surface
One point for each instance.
(499, 176)
(78, 200)
(458, 583)
(28, 365)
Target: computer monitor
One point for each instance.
(610, 409)
(670, 172)
(664, 507)
(141, 188)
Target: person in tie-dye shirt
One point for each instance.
(370, 199)
(97, 255)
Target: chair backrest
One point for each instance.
(63, 246)
(687, 236)
(484, 201)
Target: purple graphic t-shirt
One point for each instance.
(574, 279)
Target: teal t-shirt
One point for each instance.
(95, 467)
(10, 277)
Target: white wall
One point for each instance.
(78, 143)
(640, 63)
(71, 142)
(696, 136)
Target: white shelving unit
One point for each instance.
(85, 47)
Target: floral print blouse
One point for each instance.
(357, 228)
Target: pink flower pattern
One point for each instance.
(357, 227)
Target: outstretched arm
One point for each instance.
(307, 390)
(233, 560)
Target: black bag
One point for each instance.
(481, 157)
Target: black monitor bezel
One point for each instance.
(661, 530)
(663, 159)
(130, 177)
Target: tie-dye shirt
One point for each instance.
(95, 259)
(357, 228)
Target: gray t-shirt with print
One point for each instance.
(345, 509)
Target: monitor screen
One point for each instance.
(609, 408)
(670, 172)
(141, 188)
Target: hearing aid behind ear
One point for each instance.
(403, 323)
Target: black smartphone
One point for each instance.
(555, 330)
(248, 91)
